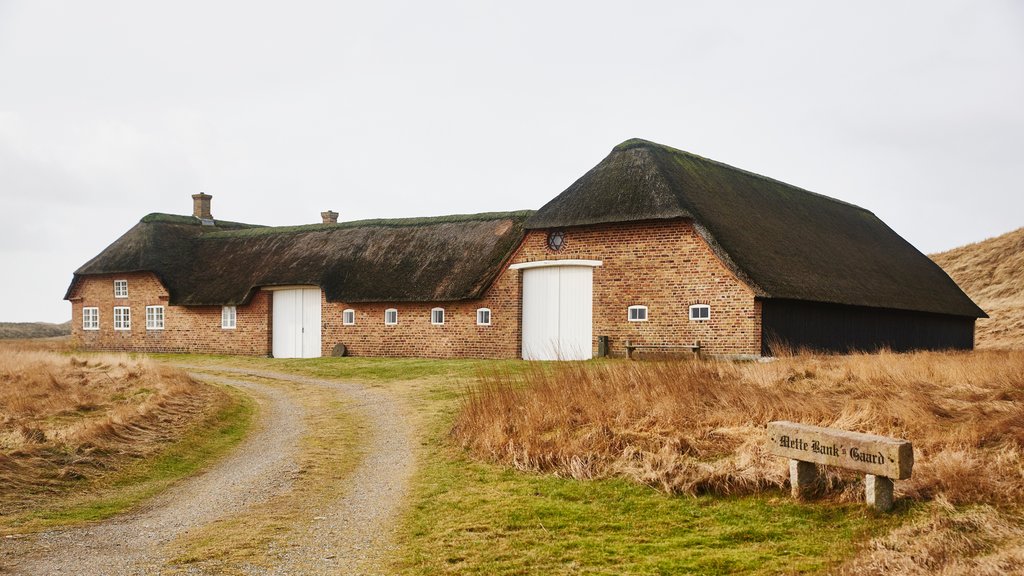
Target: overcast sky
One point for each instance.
(112, 110)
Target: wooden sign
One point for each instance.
(877, 455)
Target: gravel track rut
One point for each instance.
(351, 534)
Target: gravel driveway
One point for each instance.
(353, 534)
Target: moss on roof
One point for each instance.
(783, 241)
(444, 258)
(159, 217)
(372, 223)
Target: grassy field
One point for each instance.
(698, 428)
(522, 469)
(83, 438)
(471, 516)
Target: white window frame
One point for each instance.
(389, 312)
(434, 313)
(696, 307)
(90, 318)
(348, 317)
(480, 312)
(228, 317)
(154, 317)
(120, 288)
(122, 318)
(637, 308)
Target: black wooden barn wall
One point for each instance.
(837, 328)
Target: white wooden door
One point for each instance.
(310, 323)
(557, 313)
(296, 316)
(575, 310)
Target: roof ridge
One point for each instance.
(641, 143)
(165, 218)
(378, 222)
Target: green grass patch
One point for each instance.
(473, 518)
(356, 369)
(215, 435)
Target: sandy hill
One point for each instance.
(992, 273)
(33, 329)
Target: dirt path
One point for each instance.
(352, 534)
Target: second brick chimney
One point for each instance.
(330, 217)
(201, 206)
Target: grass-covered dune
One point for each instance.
(9, 330)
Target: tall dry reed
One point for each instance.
(699, 427)
(64, 418)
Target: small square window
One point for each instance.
(348, 317)
(154, 317)
(437, 316)
(483, 317)
(122, 318)
(391, 316)
(228, 317)
(90, 318)
(120, 288)
(637, 314)
(700, 312)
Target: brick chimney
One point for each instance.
(201, 206)
(330, 217)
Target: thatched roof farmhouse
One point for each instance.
(654, 249)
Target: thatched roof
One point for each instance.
(785, 242)
(409, 260)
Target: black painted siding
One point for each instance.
(838, 328)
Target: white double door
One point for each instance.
(558, 313)
(296, 323)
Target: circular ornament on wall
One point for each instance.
(556, 240)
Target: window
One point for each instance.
(122, 318)
(348, 317)
(228, 317)
(391, 316)
(483, 317)
(700, 312)
(90, 318)
(556, 241)
(637, 314)
(120, 288)
(437, 316)
(154, 317)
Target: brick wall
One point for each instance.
(414, 335)
(665, 266)
(186, 329)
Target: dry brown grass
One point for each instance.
(699, 427)
(992, 274)
(64, 419)
(976, 541)
(693, 427)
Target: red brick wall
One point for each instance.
(414, 335)
(665, 266)
(186, 329)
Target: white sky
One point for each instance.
(112, 110)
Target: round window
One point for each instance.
(556, 241)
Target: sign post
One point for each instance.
(881, 458)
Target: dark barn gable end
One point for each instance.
(652, 247)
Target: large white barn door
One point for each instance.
(558, 313)
(296, 323)
(310, 323)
